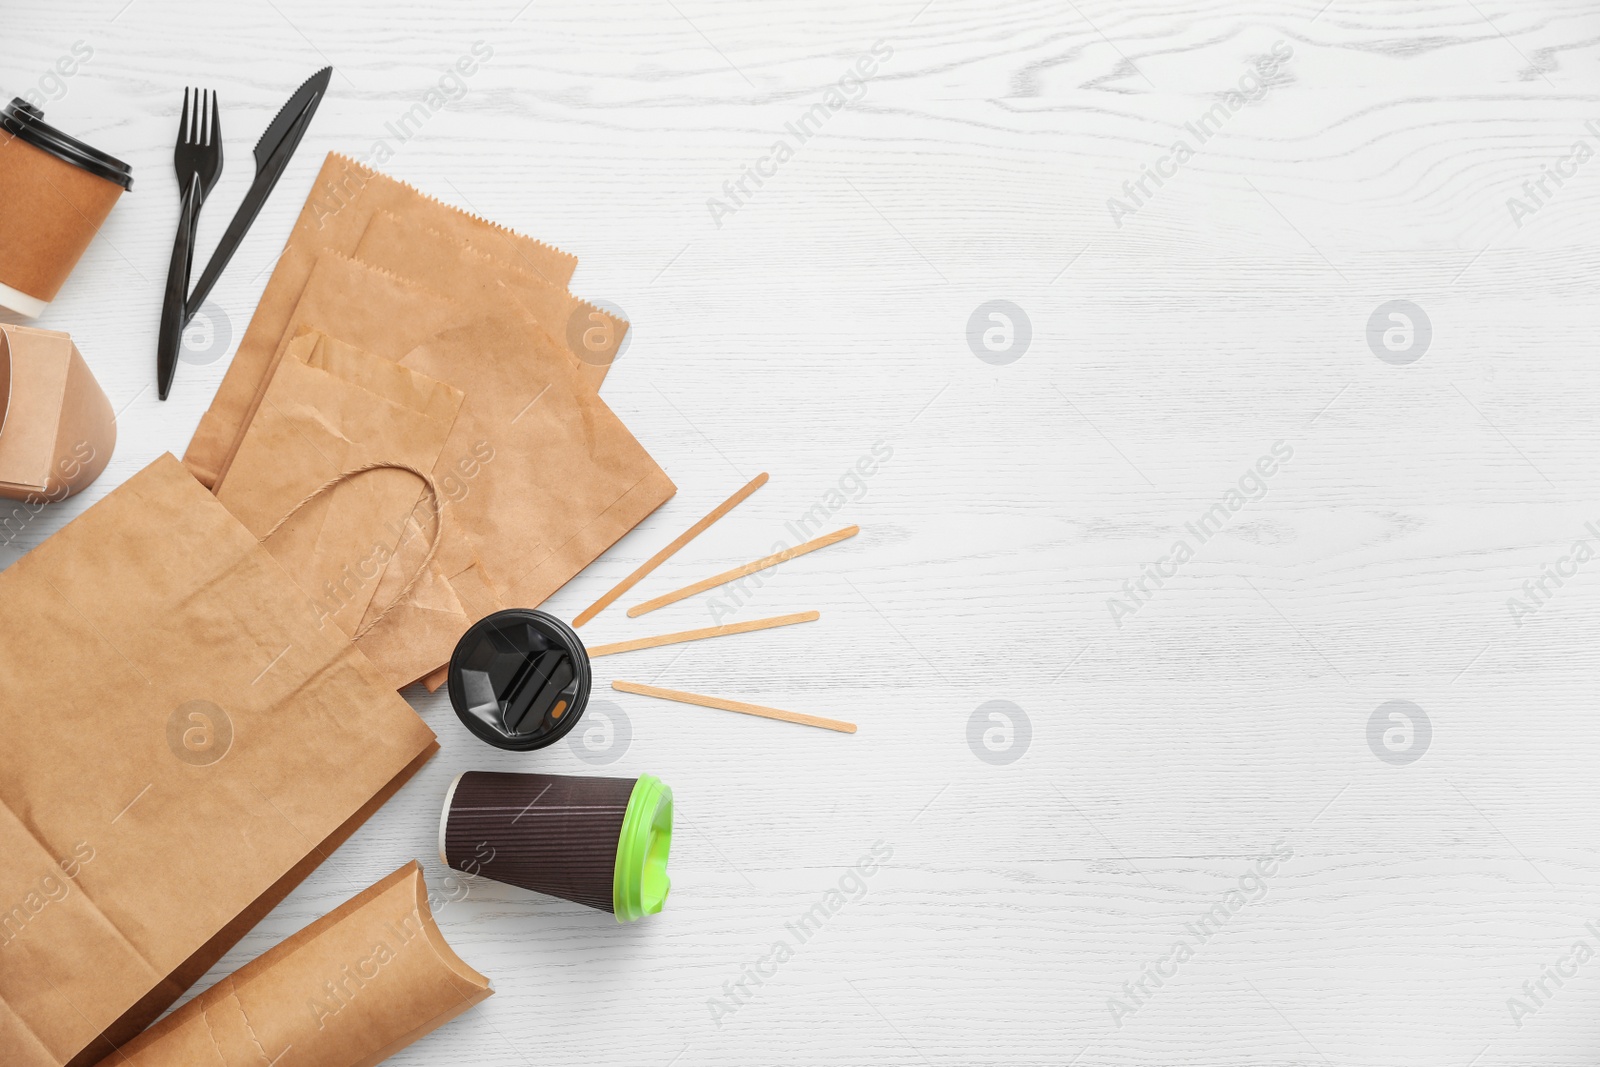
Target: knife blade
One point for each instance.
(273, 152)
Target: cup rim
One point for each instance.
(26, 123)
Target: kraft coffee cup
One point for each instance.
(600, 842)
(55, 191)
(519, 679)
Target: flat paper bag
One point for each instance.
(184, 743)
(362, 306)
(353, 988)
(490, 287)
(342, 200)
(568, 479)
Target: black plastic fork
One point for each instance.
(198, 162)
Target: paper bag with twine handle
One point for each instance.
(364, 981)
(567, 478)
(344, 197)
(333, 408)
(185, 742)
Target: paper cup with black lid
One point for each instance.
(55, 191)
(519, 679)
(600, 842)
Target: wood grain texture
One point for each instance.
(820, 331)
(743, 707)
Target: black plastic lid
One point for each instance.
(519, 679)
(27, 122)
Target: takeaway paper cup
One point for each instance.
(600, 842)
(55, 191)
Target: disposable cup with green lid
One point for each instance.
(600, 842)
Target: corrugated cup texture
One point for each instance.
(547, 832)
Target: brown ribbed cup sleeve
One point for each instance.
(546, 832)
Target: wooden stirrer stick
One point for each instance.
(661, 557)
(696, 635)
(739, 572)
(735, 705)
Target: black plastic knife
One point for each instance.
(273, 152)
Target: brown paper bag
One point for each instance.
(409, 635)
(487, 287)
(353, 988)
(361, 306)
(57, 429)
(331, 409)
(568, 479)
(342, 200)
(184, 743)
(388, 313)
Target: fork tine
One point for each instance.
(216, 120)
(183, 120)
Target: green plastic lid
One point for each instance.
(639, 885)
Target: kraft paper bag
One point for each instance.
(372, 310)
(388, 314)
(361, 306)
(568, 479)
(57, 429)
(353, 988)
(184, 743)
(344, 197)
(331, 409)
(409, 636)
(488, 287)
(565, 479)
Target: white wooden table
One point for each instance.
(1223, 711)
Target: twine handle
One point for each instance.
(433, 542)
